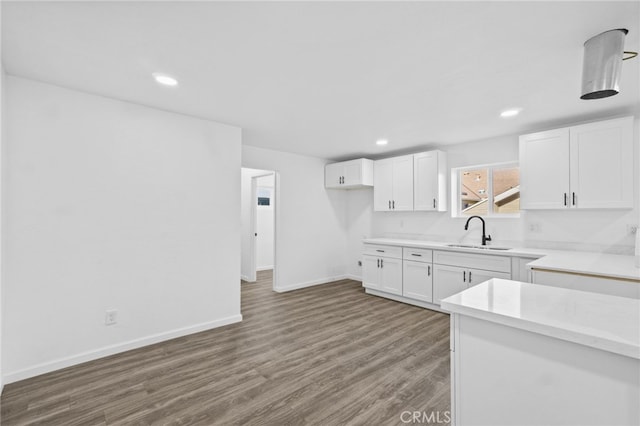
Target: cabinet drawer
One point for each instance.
(472, 260)
(383, 251)
(417, 254)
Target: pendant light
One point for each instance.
(602, 64)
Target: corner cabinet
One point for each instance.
(349, 174)
(430, 181)
(586, 166)
(393, 184)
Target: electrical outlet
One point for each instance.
(632, 229)
(534, 227)
(359, 262)
(110, 317)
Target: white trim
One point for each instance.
(264, 268)
(353, 277)
(310, 283)
(406, 300)
(91, 355)
(245, 278)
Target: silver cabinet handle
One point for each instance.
(434, 203)
(382, 263)
(428, 270)
(469, 276)
(573, 196)
(415, 254)
(565, 199)
(464, 276)
(378, 263)
(380, 251)
(389, 204)
(393, 204)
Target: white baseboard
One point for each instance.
(310, 283)
(69, 361)
(353, 277)
(406, 300)
(264, 268)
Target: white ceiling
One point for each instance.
(327, 79)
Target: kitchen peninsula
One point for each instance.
(532, 354)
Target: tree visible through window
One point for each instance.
(489, 190)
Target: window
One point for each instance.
(489, 190)
(264, 196)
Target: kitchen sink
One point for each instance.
(469, 246)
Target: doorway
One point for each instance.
(258, 212)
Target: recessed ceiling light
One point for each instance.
(510, 112)
(382, 142)
(165, 80)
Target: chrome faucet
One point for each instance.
(485, 237)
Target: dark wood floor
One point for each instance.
(325, 355)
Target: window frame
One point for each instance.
(456, 189)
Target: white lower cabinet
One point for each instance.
(382, 273)
(417, 280)
(423, 276)
(448, 281)
(603, 285)
(457, 275)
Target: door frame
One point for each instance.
(253, 247)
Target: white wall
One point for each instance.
(113, 205)
(265, 226)
(2, 144)
(595, 230)
(311, 222)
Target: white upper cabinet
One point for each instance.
(602, 164)
(430, 181)
(544, 170)
(349, 174)
(585, 166)
(393, 184)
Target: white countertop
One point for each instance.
(609, 265)
(609, 323)
(606, 265)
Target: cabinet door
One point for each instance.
(332, 175)
(391, 275)
(402, 183)
(447, 281)
(477, 276)
(382, 184)
(417, 280)
(425, 181)
(371, 272)
(602, 164)
(352, 173)
(544, 170)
